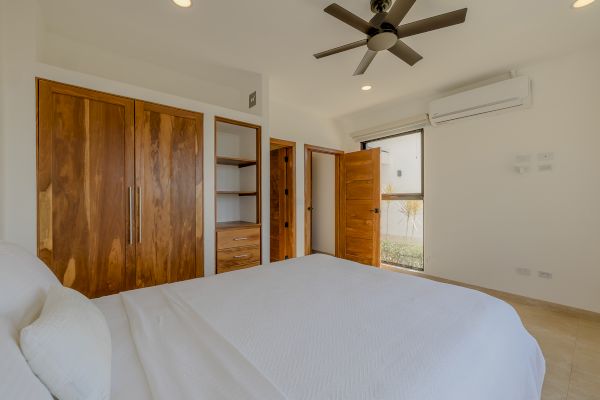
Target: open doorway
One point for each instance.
(322, 199)
(282, 200)
(402, 214)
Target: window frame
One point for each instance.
(404, 196)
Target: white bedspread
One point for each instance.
(322, 328)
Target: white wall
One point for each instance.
(19, 61)
(323, 215)
(290, 123)
(2, 167)
(205, 82)
(483, 220)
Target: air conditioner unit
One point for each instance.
(508, 94)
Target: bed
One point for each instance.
(318, 327)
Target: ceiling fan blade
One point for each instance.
(378, 18)
(433, 23)
(340, 49)
(365, 62)
(347, 17)
(399, 11)
(405, 53)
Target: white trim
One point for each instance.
(392, 128)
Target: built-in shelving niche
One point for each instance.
(237, 155)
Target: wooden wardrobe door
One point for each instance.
(84, 170)
(169, 232)
(359, 214)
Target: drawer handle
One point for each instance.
(242, 256)
(240, 238)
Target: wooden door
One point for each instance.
(278, 204)
(85, 173)
(169, 230)
(360, 209)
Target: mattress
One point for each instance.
(318, 327)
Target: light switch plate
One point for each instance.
(252, 100)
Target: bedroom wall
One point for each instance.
(20, 22)
(2, 167)
(483, 220)
(303, 127)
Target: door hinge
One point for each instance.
(286, 159)
(287, 225)
(286, 192)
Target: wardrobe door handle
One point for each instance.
(239, 238)
(242, 256)
(131, 217)
(140, 214)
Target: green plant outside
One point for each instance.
(402, 253)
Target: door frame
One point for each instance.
(291, 198)
(308, 152)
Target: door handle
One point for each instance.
(374, 210)
(140, 214)
(310, 209)
(131, 217)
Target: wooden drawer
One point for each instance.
(222, 270)
(228, 259)
(232, 238)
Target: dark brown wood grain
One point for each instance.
(237, 257)
(231, 238)
(359, 212)
(282, 205)
(277, 204)
(84, 140)
(96, 152)
(167, 145)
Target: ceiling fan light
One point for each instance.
(582, 3)
(382, 41)
(183, 3)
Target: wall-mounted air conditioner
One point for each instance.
(509, 94)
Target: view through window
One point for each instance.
(401, 199)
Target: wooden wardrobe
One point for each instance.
(119, 184)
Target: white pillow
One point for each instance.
(24, 281)
(69, 348)
(17, 381)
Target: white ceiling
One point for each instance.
(278, 38)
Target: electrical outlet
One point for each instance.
(523, 271)
(545, 275)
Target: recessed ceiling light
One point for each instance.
(183, 3)
(366, 87)
(582, 3)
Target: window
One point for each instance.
(401, 199)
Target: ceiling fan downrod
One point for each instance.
(379, 6)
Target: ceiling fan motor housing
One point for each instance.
(379, 6)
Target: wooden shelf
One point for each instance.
(239, 162)
(228, 192)
(221, 226)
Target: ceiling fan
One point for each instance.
(384, 30)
